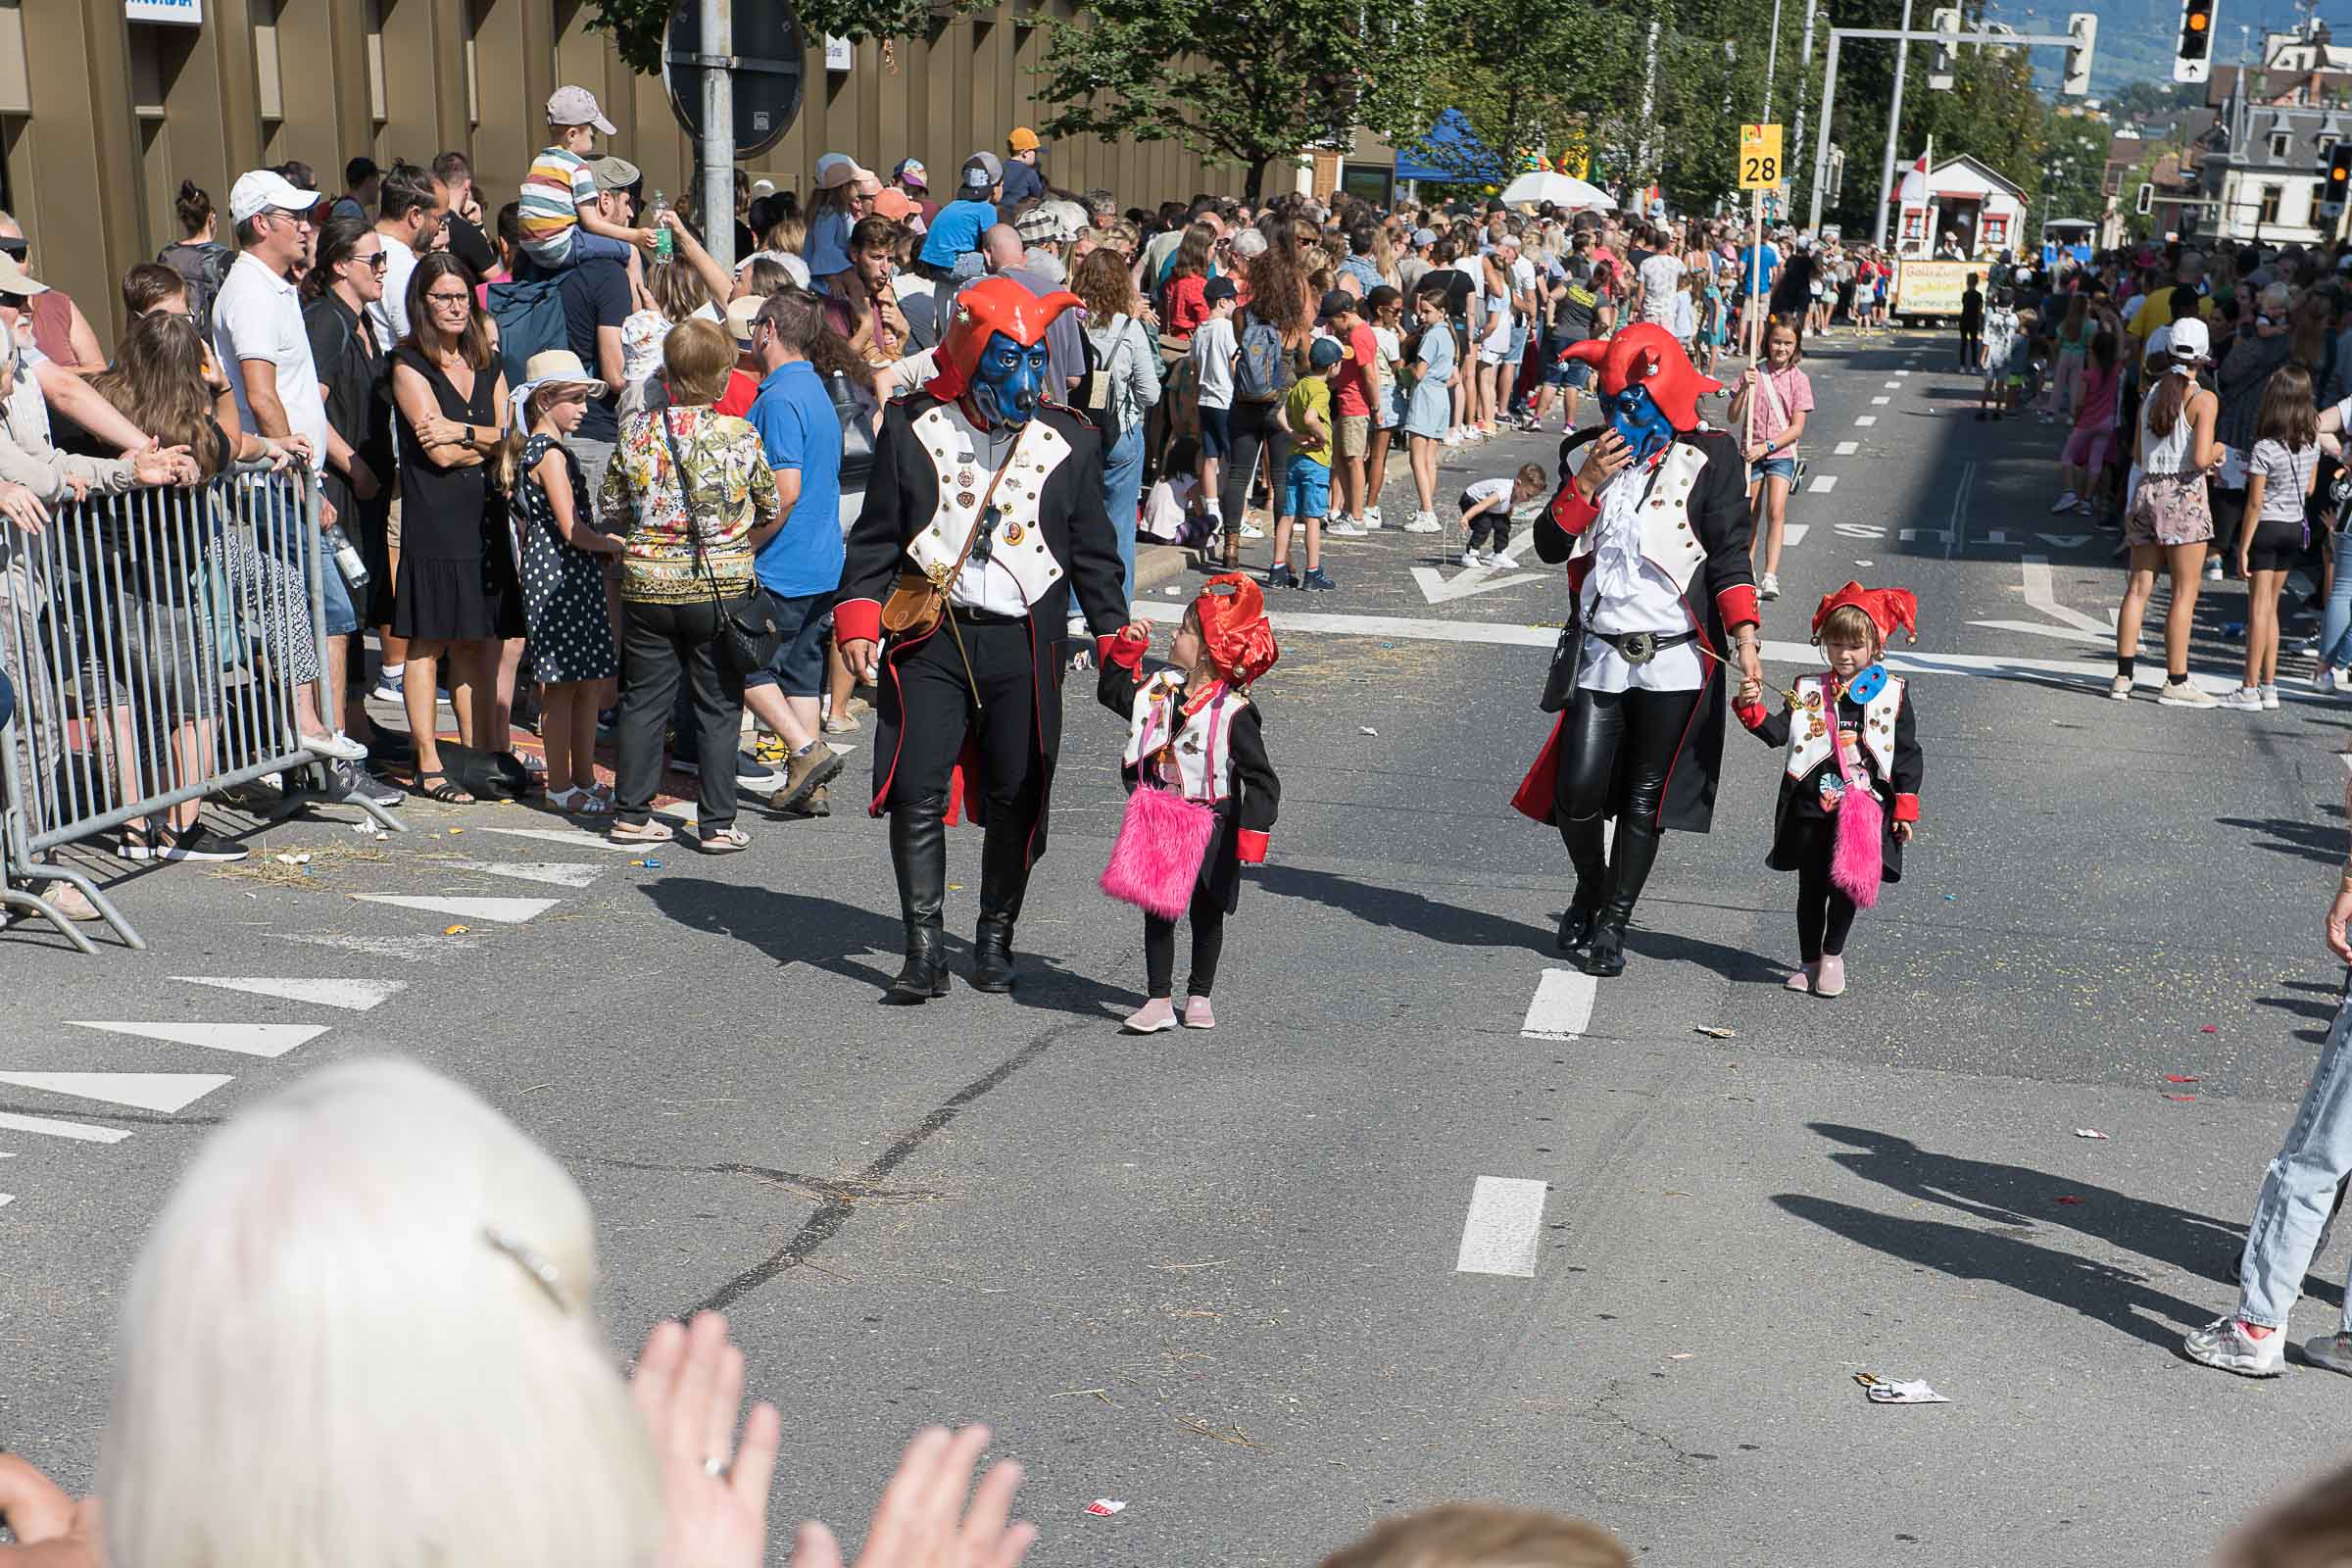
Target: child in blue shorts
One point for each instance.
(1306, 484)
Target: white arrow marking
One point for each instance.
(1823, 485)
(80, 1132)
(352, 996)
(2042, 593)
(146, 1091)
(2064, 541)
(1860, 530)
(505, 911)
(1471, 580)
(556, 873)
(272, 1040)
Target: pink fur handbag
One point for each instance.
(1156, 861)
(1859, 859)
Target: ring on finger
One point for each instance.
(716, 1468)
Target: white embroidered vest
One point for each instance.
(1812, 723)
(1200, 762)
(1020, 544)
(1669, 540)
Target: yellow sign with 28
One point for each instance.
(1760, 166)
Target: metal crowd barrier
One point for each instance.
(162, 643)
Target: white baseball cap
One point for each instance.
(2190, 340)
(262, 189)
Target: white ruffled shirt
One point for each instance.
(1624, 593)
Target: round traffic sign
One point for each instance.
(771, 62)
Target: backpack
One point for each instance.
(1100, 390)
(530, 320)
(204, 268)
(1261, 371)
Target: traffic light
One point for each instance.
(2192, 59)
(2145, 202)
(2339, 181)
(2084, 26)
(1940, 68)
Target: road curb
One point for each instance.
(1157, 565)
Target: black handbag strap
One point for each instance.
(694, 531)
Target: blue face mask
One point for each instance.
(1010, 380)
(1642, 423)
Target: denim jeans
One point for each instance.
(2301, 1184)
(2336, 627)
(1122, 492)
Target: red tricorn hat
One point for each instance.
(988, 306)
(1234, 629)
(1646, 354)
(1886, 608)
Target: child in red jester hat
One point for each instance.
(1193, 734)
(1849, 788)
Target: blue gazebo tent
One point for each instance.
(1450, 153)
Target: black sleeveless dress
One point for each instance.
(457, 580)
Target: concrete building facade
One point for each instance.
(106, 105)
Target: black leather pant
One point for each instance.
(1615, 750)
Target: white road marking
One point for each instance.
(146, 1091)
(1502, 1232)
(505, 911)
(1846, 449)
(1860, 530)
(576, 839)
(1880, 403)
(556, 873)
(1902, 372)
(1438, 590)
(1892, 386)
(1821, 486)
(1865, 420)
(1563, 1006)
(2064, 541)
(408, 950)
(7, 1198)
(80, 1132)
(1793, 534)
(2042, 593)
(352, 996)
(270, 1040)
(2042, 628)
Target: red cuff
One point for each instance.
(1751, 714)
(1906, 808)
(1572, 512)
(857, 620)
(1737, 607)
(1121, 650)
(1252, 847)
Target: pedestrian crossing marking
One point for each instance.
(46, 1127)
(272, 1040)
(504, 911)
(1823, 485)
(352, 996)
(555, 874)
(1865, 420)
(144, 1091)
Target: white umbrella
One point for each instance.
(1561, 191)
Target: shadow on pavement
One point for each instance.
(2322, 842)
(1403, 909)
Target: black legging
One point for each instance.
(1611, 735)
(1825, 916)
(1253, 429)
(1209, 941)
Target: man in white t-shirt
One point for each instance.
(411, 216)
(266, 350)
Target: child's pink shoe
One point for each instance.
(1802, 980)
(1830, 979)
(1152, 1017)
(1198, 1014)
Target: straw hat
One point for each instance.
(552, 367)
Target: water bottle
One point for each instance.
(665, 243)
(347, 557)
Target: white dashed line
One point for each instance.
(1500, 1233)
(1865, 420)
(1563, 1006)
(46, 1127)
(1793, 534)
(1846, 449)
(352, 996)
(1823, 485)
(269, 1040)
(1880, 403)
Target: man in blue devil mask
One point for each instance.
(983, 515)
(1653, 525)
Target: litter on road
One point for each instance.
(1898, 1390)
(1104, 1507)
(455, 930)
(1716, 1031)
(2180, 1078)
(2088, 1132)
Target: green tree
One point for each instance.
(1549, 77)
(638, 28)
(1251, 82)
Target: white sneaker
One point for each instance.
(2270, 698)
(1251, 530)
(337, 745)
(1345, 528)
(1769, 587)
(2182, 694)
(2120, 687)
(2064, 502)
(1371, 518)
(386, 690)
(1502, 560)
(2244, 700)
(1469, 558)
(2223, 1344)
(1454, 438)
(1424, 523)
(2213, 569)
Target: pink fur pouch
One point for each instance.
(1156, 863)
(1860, 857)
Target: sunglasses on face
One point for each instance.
(15, 249)
(378, 259)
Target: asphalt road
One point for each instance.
(1220, 1277)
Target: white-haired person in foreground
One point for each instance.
(359, 1334)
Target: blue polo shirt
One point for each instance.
(799, 429)
(956, 231)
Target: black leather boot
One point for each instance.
(1636, 850)
(1605, 959)
(1003, 880)
(1576, 924)
(1586, 853)
(918, 853)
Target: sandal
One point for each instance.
(579, 803)
(726, 841)
(648, 832)
(447, 792)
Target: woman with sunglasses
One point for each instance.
(457, 595)
(59, 329)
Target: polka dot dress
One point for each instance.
(563, 586)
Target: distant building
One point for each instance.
(2258, 166)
